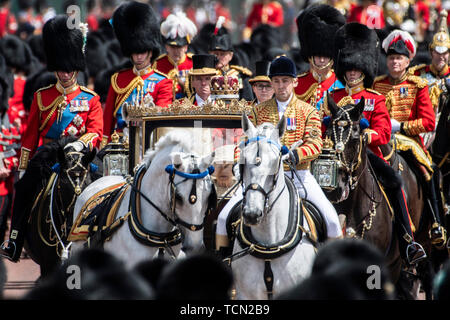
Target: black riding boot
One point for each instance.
(413, 251)
(438, 234)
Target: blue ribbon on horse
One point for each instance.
(171, 170)
(363, 123)
(259, 138)
(56, 167)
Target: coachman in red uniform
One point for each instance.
(358, 47)
(411, 111)
(63, 109)
(136, 27)
(177, 32)
(317, 26)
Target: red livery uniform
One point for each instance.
(177, 72)
(53, 115)
(408, 102)
(374, 111)
(126, 87)
(271, 13)
(372, 16)
(16, 112)
(310, 88)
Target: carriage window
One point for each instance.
(221, 140)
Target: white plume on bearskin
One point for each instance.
(396, 35)
(178, 25)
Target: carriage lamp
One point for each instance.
(115, 160)
(325, 167)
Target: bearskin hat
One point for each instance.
(137, 29)
(63, 46)
(317, 26)
(356, 47)
(17, 53)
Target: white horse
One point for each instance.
(271, 253)
(170, 203)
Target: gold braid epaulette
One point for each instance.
(435, 93)
(373, 91)
(82, 88)
(243, 70)
(413, 69)
(124, 93)
(379, 78)
(420, 82)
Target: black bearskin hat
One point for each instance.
(317, 26)
(63, 46)
(137, 29)
(17, 53)
(356, 48)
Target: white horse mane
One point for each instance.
(182, 138)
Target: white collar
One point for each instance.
(200, 101)
(283, 105)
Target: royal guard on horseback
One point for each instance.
(136, 27)
(411, 111)
(261, 84)
(437, 72)
(62, 109)
(356, 52)
(177, 32)
(303, 123)
(222, 47)
(316, 28)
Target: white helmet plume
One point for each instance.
(397, 35)
(178, 25)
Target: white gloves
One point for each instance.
(395, 126)
(21, 173)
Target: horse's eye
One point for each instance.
(178, 197)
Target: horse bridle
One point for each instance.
(256, 186)
(351, 167)
(194, 175)
(77, 187)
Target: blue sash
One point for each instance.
(335, 86)
(58, 128)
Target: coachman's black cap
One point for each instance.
(282, 66)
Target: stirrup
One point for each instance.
(5, 251)
(419, 255)
(438, 235)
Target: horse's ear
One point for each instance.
(360, 107)
(61, 156)
(332, 105)
(89, 157)
(176, 160)
(246, 123)
(206, 161)
(281, 126)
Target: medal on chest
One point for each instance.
(403, 92)
(291, 124)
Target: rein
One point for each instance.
(157, 239)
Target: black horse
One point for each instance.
(359, 195)
(56, 175)
(440, 148)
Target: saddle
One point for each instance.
(96, 220)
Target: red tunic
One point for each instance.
(409, 103)
(123, 84)
(43, 125)
(16, 111)
(375, 112)
(371, 16)
(271, 14)
(311, 91)
(174, 71)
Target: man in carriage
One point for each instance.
(136, 27)
(177, 32)
(357, 47)
(303, 124)
(62, 109)
(411, 112)
(316, 28)
(261, 85)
